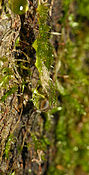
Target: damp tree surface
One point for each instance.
(44, 87)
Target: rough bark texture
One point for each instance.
(22, 127)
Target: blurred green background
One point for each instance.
(72, 132)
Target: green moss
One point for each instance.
(36, 97)
(44, 53)
(40, 143)
(42, 45)
(11, 140)
(12, 173)
(6, 77)
(8, 93)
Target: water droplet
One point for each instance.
(21, 7)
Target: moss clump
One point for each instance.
(44, 53)
(18, 6)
